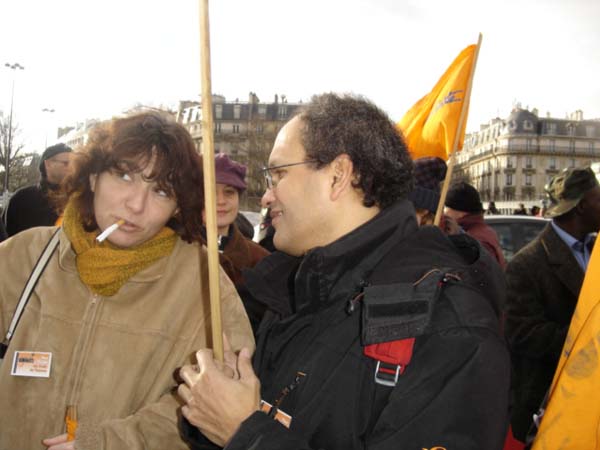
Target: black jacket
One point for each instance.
(454, 393)
(543, 281)
(30, 207)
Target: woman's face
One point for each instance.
(143, 206)
(228, 205)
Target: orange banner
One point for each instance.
(573, 412)
(430, 126)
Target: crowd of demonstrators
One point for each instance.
(337, 182)
(32, 206)
(237, 252)
(117, 317)
(544, 280)
(464, 208)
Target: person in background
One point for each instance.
(349, 246)
(32, 206)
(3, 234)
(543, 280)
(492, 208)
(237, 252)
(116, 317)
(535, 211)
(425, 197)
(464, 207)
(521, 210)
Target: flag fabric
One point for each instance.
(430, 126)
(573, 412)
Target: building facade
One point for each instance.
(511, 160)
(245, 131)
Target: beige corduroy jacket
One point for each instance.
(113, 357)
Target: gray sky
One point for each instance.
(92, 59)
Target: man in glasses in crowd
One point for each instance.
(31, 206)
(388, 341)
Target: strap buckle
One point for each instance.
(387, 376)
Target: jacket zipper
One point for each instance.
(81, 349)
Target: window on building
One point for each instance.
(572, 162)
(217, 127)
(550, 128)
(236, 128)
(509, 162)
(589, 130)
(528, 145)
(572, 146)
(528, 162)
(528, 125)
(552, 145)
(218, 111)
(552, 163)
(260, 128)
(282, 111)
(509, 179)
(262, 110)
(528, 180)
(237, 110)
(591, 148)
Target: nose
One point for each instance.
(267, 198)
(220, 197)
(137, 198)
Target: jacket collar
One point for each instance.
(562, 261)
(340, 269)
(67, 260)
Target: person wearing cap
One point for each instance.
(463, 207)
(429, 173)
(237, 252)
(31, 206)
(544, 279)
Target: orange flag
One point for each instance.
(572, 415)
(430, 126)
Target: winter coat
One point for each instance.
(30, 207)
(475, 225)
(543, 282)
(454, 392)
(113, 357)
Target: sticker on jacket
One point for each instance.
(31, 364)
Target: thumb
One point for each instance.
(245, 364)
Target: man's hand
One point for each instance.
(217, 400)
(59, 443)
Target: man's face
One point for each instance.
(299, 199)
(591, 210)
(131, 197)
(56, 167)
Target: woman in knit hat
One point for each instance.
(109, 322)
(237, 251)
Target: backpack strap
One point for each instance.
(393, 316)
(28, 289)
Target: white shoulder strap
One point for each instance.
(31, 282)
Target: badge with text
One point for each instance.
(31, 364)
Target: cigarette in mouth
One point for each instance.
(110, 230)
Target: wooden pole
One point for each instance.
(462, 118)
(210, 204)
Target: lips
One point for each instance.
(275, 215)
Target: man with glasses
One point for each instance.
(31, 206)
(373, 353)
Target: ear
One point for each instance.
(93, 178)
(342, 175)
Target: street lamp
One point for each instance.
(8, 149)
(48, 110)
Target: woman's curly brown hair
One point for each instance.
(124, 144)
(336, 124)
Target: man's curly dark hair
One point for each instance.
(336, 124)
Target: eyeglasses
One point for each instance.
(269, 176)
